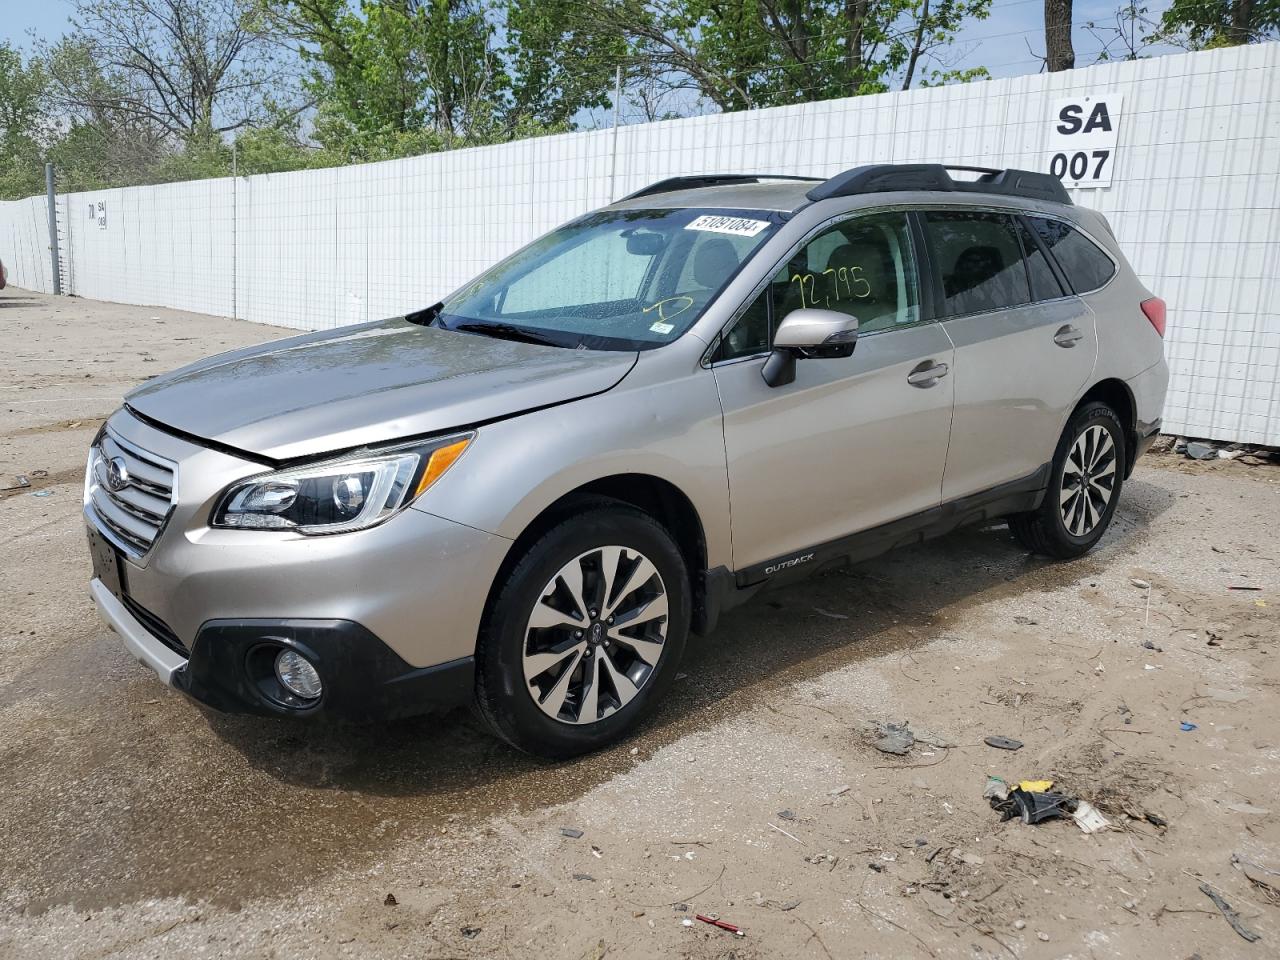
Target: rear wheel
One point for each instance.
(585, 635)
(1084, 487)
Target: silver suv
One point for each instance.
(526, 496)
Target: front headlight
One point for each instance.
(350, 493)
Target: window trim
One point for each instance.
(708, 362)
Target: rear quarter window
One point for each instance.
(1085, 265)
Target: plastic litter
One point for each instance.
(1088, 818)
(717, 922)
(1199, 450)
(1003, 743)
(1187, 727)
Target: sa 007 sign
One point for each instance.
(1083, 133)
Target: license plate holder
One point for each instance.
(108, 565)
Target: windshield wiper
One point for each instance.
(505, 331)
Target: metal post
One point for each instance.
(617, 100)
(53, 229)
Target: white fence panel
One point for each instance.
(1194, 200)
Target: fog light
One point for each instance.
(297, 675)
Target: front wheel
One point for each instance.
(585, 635)
(1084, 487)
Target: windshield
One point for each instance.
(612, 280)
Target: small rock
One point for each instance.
(1042, 936)
(895, 739)
(786, 815)
(1019, 924)
(390, 900)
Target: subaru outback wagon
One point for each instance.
(527, 496)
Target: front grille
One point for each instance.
(155, 626)
(132, 514)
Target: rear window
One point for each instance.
(1087, 267)
(980, 260)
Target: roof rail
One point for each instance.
(885, 177)
(672, 184)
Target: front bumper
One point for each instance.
(388, 615)
(231, 666)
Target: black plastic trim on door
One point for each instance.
(932, 299)
(1067, 289)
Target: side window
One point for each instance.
(1044, 282)
(864, 267)
(1087, 268)
(980, 260)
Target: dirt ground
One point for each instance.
(132, 824)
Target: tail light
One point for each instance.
(1154, 309)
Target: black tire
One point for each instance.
(504, 698)
(1044, 531)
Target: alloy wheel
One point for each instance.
(595, 634)
(1088, 480)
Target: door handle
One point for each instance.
(1068, 336)
(927, 374)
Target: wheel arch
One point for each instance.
(1116, 394)
(655, 496)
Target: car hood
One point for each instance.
(367, 384)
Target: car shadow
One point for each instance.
(779, 637)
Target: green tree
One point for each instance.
(397, 77)
(739, 54)
(24, 124)
(1202, 24)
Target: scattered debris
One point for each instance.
(20, 481)
(970, 858)
(1140, 584)
(43, 493)
(1199, 450)
(786, 815)
(996, 789)
(1035, 786)
(584, 876)
(470, 933)
(895, 738)
(717, 922)
(829, 615)
(1088, 818)
(595, 852)
(1265, 880)
(1232, 917)
(390, 900)
(1003, 743)
(839, 791)
(1032, 807)
(785, 834)
(1154, 819)
(570, 832)
(1187, 727)
(1242, 587)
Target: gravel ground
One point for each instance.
(132, 824)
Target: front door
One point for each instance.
(852, 443)
(1025, 348)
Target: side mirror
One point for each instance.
(808, 333)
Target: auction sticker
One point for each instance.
(738, 226)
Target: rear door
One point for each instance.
(853, 442)
(1025, 346)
